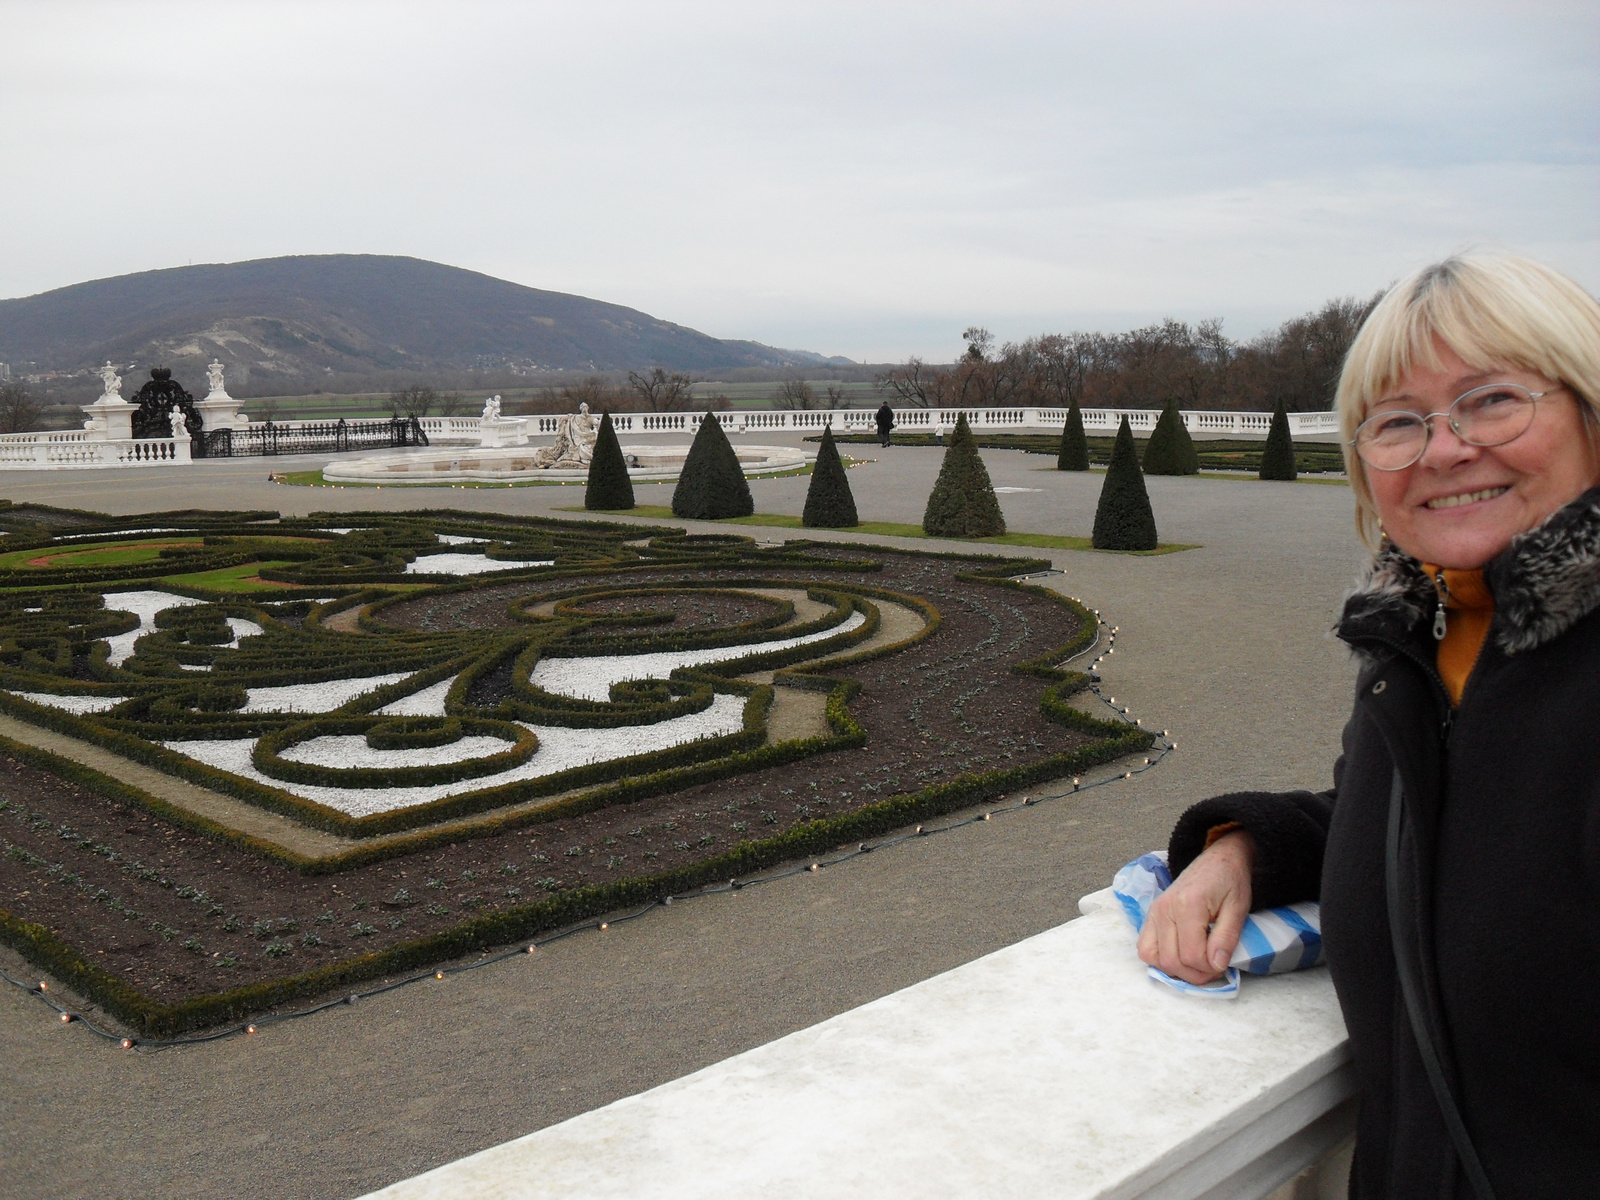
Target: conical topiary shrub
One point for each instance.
(1170, 450)
(711, 485)
(1074, 455)
(829, 504)
(1277, 458)
(1124, 520)
(609, 486)
(962, 503)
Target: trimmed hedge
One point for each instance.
(1277, 458)
(1170, 450)
(1124, 519)
(1074, 452)
(829, 502)
(712, 485)
(962, 503)
(608, 485)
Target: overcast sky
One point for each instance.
(861, 179)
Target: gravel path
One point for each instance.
(1224, 645)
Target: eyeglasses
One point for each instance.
(1491, 415)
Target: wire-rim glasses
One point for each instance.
(1490, 415)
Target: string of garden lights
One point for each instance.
(1160, 748)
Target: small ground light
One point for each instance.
(65, 1017)
(43, 986)
(438, 974)
(531, 949)
(605, 925)
(127, 1043)
(815, 866)
(249, 1028)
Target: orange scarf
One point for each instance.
(1468, 610)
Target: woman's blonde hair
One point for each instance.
(1493, 310)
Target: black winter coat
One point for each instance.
(1499, 871)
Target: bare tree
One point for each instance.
(837, 398)
(795, 393)
(19, 411)
(915, 385)
(661, 392)
(413, 402)
(979, 342)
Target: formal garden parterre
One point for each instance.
(487, 726)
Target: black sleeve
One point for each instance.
(1289, 828)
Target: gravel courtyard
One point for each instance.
(1225, 645)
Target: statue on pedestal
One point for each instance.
(491, 410)
(180, 425)
(214, 381)
(111, 380)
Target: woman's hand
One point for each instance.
(1193, 926)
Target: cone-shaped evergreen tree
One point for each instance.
(829, 504)
(1074, 455)
(1277, 458)
(609, 485)
(1170, 450)
(962, 503)
(1124, 520)
(712, 484)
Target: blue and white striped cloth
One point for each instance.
(1274, 940)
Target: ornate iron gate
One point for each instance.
(310, 437)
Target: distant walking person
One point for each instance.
(885, 422)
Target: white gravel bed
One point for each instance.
(459, 539)
(315, 697)
(429, 702)
(559, 749)
(591, 678)
(73, 704)
(467, 564)
(351, 750)
(145, 606)
(242, 629)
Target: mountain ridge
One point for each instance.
(279, 321)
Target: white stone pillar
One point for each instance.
(110, 417)
(219, 410)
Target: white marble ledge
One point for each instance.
(1053, 1067)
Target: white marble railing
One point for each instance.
(443, 430)
(77, 448)
(1053, 1067)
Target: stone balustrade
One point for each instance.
(1054, 1067)
(79, 448)
(913, 420)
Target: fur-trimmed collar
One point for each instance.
(1545, 582)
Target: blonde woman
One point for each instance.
(1457, 855)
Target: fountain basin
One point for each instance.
(514, 464)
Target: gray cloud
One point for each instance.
(857, 179)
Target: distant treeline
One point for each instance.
(1198, 366)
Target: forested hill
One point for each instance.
(278, 321)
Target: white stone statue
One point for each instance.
(113, 381)
(491, 410)
(573, 448)
(214, 379)
(180, 425)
